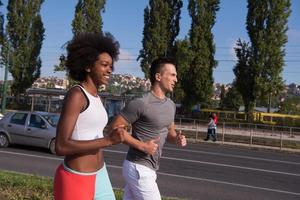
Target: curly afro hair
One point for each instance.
(84, 49)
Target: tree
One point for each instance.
(291, 106)
(87, 18)
(245, 76)
(182, 54)
(161, 26)
(267, 26)
(198, 86)
(1, 25)
(2, 36)
(231, 100)
(3, 86)
(222, 97)
(25, 35)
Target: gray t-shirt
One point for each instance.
(150, 118)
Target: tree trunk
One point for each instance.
(269, 102)
(249, 109)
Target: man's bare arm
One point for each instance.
(174, 137)
(148, 147)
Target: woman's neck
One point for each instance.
(90, 87)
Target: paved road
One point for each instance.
(200, 171)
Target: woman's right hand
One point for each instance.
(117, 135)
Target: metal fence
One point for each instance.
(270, 136)
(258, 117)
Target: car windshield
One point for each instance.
(52, 119)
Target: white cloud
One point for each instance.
(127, 64)
(124, 54)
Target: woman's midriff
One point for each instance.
(88, 162)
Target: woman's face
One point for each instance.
(102, 69)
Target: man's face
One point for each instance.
(168, 78)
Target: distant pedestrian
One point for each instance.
(215, 118)
(211, 128)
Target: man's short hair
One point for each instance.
(157, 65)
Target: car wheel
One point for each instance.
(52, 146)
(4, 142)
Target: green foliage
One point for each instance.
(2, 40)
(1, 25)
(25, 34)
(222, 96)
(231, 100)
(291, 106)
(267, 26)
(182, 54)
(62, 64)
(161, 26)
(198, 83)
(264, 101)
(20, 187)
(87, 16)
(245, 75)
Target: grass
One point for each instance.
(16, 186)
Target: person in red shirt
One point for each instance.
(214, 132)
(212, 127)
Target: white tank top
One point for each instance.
(92, 120)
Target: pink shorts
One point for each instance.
(72, 185)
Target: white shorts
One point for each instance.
(140, 182)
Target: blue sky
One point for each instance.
(124, 19)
